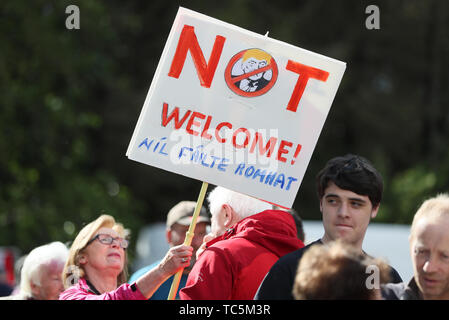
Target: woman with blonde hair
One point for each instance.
(96, 267)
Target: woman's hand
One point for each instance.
(176, 259)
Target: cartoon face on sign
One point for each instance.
(251, 73)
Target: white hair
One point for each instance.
(243, 205)
(38, 257)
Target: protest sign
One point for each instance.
(234, 108)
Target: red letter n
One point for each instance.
(188, 41)
(305, 73)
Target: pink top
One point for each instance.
(81, 291)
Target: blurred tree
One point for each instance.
(52, 81)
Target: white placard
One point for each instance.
(234, 108)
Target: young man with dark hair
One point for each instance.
(349, 190)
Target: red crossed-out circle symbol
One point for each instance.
(251, 73)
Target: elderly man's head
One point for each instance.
(228, 207)
(429, 247)
(41, 276)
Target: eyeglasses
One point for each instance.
(107, 239)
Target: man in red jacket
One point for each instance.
(249, 238)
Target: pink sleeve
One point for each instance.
(124, 292)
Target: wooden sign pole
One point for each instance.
(188, 239)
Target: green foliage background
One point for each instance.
(70, 100)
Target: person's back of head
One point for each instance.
(243, 205)
(38, 263)
(353, 173)
(338, 271)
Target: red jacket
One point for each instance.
(234, 265)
